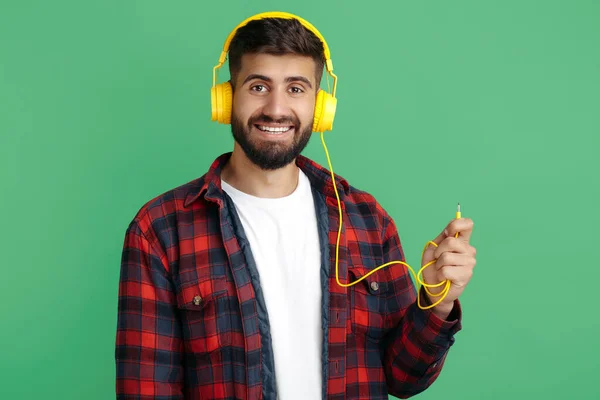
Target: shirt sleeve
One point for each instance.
(148, 350)
(416, 348)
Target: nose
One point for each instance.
(276, 105)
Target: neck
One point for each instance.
(246, 177)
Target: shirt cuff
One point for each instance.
(438, 331)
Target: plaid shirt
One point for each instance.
(192, 320)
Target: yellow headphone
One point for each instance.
(221, 94)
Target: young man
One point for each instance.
(228, 283)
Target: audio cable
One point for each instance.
(416, 276)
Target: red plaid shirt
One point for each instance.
(192, 320)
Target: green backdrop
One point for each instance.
(105, 104)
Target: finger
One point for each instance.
(452, 245)
(448, 259)
(443, 235)
(459, 276)
(464, 227)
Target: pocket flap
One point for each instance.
(196, 294)
(374, 284)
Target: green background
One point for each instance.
(105, 104)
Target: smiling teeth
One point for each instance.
(273, 129)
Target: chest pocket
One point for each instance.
(205, 312)
(367, 301)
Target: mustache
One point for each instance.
(266, 119)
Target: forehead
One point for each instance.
(277, 67)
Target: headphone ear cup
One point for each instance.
(221, 99)
(325, 108)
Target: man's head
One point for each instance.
(276, 67)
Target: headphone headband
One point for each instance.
(222, 95)
(278, 14)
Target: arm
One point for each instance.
(148, 350)
(416, 348)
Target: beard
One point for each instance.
(270, 155)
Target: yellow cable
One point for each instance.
(417, 276)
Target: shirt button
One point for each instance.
(197, 300)
(374, 286)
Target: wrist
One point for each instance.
(443, 310)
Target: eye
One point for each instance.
(296, 90)
(258, 88)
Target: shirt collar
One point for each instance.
(209, 185)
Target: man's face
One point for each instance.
(273, 107)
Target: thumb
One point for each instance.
(443, 235)
(429, 250)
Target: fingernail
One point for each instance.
(446, 232)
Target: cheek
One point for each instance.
(243, 108)
(307, 112)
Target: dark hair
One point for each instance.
(276, 36)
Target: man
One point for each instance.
(228, 283)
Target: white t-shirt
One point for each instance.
(284, 240)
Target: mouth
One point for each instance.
(274, 130)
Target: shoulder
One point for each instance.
(160, 213)
(362, 209)
(363, 201)
(363, 206)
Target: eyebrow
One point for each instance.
(287, 80)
